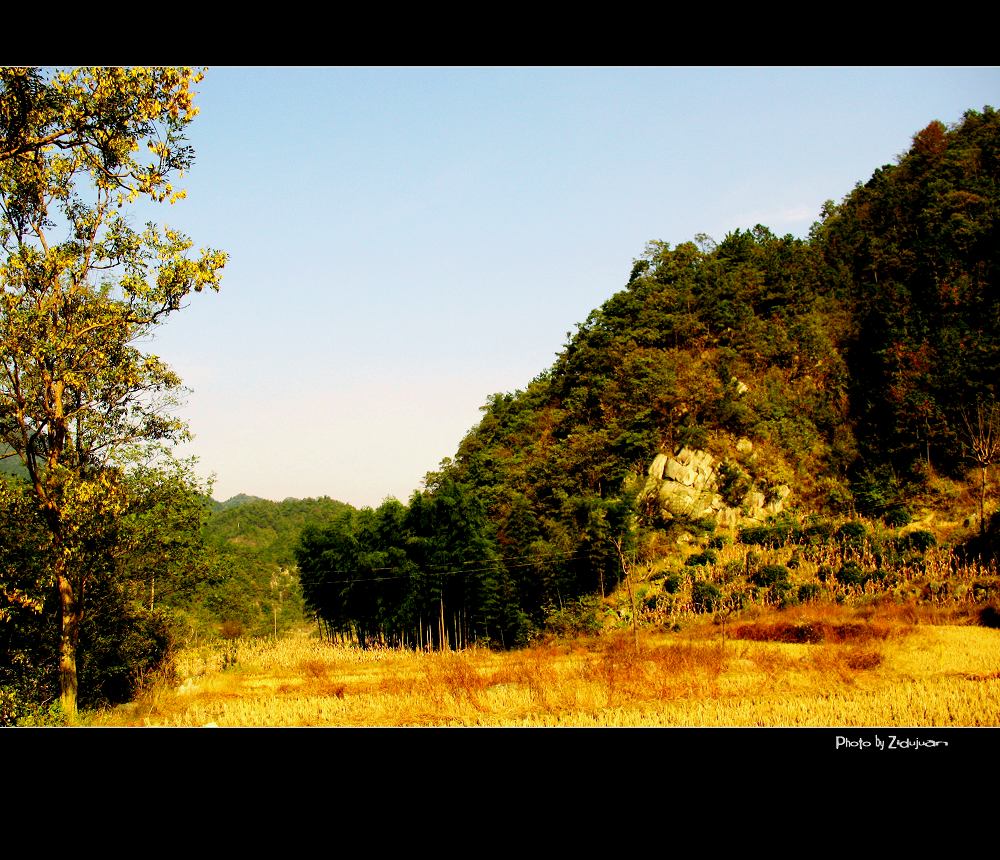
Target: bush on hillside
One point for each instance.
(672, 584)
(851, 533)
(818, 532)
(705, 597)
(851, 574)
(769, 575)
(809, 591)
(896, 516)
(754, 535)
(920, 540)
(783, 593)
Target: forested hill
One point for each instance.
(264, 530)
(829, 375)
(250, 584)
(235, 502)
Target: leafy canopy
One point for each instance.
(81, 290)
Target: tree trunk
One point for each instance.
(71, 613)
(441, 633)
(982, 502)
(627, 574)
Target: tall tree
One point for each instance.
(920, 244)
(983, 438)
(80, 291)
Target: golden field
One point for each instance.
(821, 665)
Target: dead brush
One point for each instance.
(455, 674)
(817, 623)
(904, 615)
(394, 685)
(686, 657)
(801, 632)
(772, 663)
(315, 675)
(534, 671)
(629, 675)
(314, 668)
(685, 668)
(845, 662)
(861, 659)
(860, 631)
(619, 668)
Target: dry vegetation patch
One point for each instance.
(819, 666)
(819, 623)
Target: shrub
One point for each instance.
(576, 617)
(783, 593)
(784, 530)
(705, 596)
(803, 632)
(769, 575)
(672, 584)
(741, 599)
(887, 554)
(754, 535)
(16, 710)
(734, 484)
(117, 655)
(896, 516)
(697, 526)
(851, 574)
(809, 591)
(934, 589)
(920, 540)
(701, 558)
(982, 589)
(989, 616)
(693, 436)
(818, 532)
(852, 532)
(862, 659)
(121, 643)
(8, 707)
(703, 525)
(231, 629)
(719, 541)
(779, 532)
(878, 489)
(730, 570)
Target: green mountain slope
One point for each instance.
(253, 587)
(725, 384)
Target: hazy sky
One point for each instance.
(406, 241)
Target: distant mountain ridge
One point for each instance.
(235, 502)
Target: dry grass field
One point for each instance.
(820, 665)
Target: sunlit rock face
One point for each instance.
(687, 484)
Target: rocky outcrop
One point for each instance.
(689, 485)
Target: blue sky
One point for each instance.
(406, 241)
